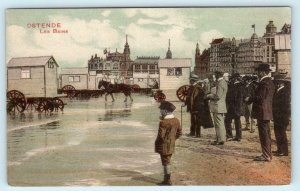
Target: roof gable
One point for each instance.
(30, 61)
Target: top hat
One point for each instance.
(263, 67)
(165, 105)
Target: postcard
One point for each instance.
(196, 96)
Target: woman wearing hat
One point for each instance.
(169, 130)
(262, 110)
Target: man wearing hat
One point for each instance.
(281, 113)
(235, 107)
(262, 110)
(169, 130)
(218, 108)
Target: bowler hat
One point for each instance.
(219, 73)
(281, 77)
(236, 76)
(165, 105)
(263, 67)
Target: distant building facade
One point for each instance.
(250, 53)
(222, 51)
(145, 71)
(202, 62)
(114, 66)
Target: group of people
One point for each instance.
(217, 102)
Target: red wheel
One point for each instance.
(58, 104)
(182, 92)
(69, 90)
(159, 96)
(15, 101)
(135, 88)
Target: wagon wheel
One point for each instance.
(32, 103)
(58, 104)
(182, 92)
(15, 101)
(45, 106)
(69, 90)
(135, 88)
(160, 97)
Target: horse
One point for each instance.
(110, 88)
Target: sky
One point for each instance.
(92, 30)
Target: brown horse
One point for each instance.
(110, 88)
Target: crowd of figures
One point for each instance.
(260, 99)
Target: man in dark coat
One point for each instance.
(169, 130)
(189, 106)
(235, 107)
(262, 110)
(249, 90)
(281, 113)
(199, 109)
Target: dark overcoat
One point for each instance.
(189, 97)
(235, 99)
(169, 130)
(199, 106)
(282, 106)
(262, 99)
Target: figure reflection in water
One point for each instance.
(112, 113)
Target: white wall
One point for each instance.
(173, 82)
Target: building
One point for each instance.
(283, 50)
(270, 54)
(116, 65)
(250, 53)
(33, 76)
(77, 77)
(145, 71)
(169, 53)
(222, 53)
(174, 73)
(202, 62)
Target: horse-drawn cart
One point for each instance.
(17, 102)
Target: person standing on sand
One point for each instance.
(169, 130)
(218, 108)
(262, 110)
(281, 113)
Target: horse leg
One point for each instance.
(130, 98)
(125, 98)
(112, 97)
(106, 97)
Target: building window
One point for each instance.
(174, 71)
(137, 68)
(50, 64)
(25, 73)
(115, 66)
(140, 79)
(74, 78)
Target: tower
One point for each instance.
(126, 51)
(169, 53)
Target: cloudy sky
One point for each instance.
(90, 31)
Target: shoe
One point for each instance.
(262, 159)
(217, 143)
(229, 139)
(281, 154)
(275, 152)
(252, 131)
(245, 129)
(236, 139)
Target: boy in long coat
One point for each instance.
(169, 130)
